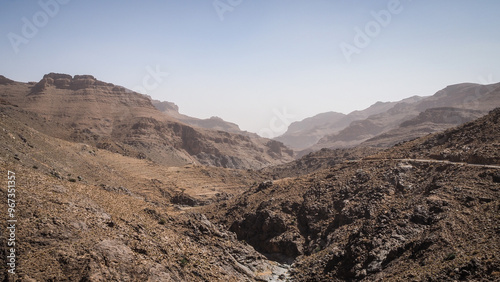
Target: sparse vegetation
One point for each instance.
(134, 219)
(450, 256)
(183, 261)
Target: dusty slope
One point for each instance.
(86, 214)
(113, 118)
(381, 219)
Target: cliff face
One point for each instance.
(122, 121)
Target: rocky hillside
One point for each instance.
(113, 118)
(430, 121)
(87, 214)
(467, 96)
(304, 134)
(103, 194)
(318, 160)
(215, 123)
(476, 142)
(381, 218)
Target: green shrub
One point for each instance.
(184, 261)
(450, 256)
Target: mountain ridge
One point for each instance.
(465, 96)
(119, 120)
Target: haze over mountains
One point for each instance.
(458, 104)
(114, 186)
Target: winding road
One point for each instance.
(430, 161)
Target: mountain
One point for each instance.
(425, 209)
(304, 134)
(111, 117)
(430, 121)
(404, 214)
(475, 142)
(215, 123)
(467, 96)
(87, 214)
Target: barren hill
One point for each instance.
(430, 121)
(466, 96)
(303, 134)
(382, 218)
(114, 118)
(476, 142)
(87, 214)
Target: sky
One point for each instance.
(259, 63)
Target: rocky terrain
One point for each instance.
(304, 134)
(87, 214)
(108, 188)
(116, 119)
(467, 96)
(476, 142)
(383, 218)
(215, 123)
(385, 124)
(430, 121)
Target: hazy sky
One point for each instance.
(258, 63)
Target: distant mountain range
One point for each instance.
(117, 119)
(84, 109)
(385, 124)
(304, 134)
